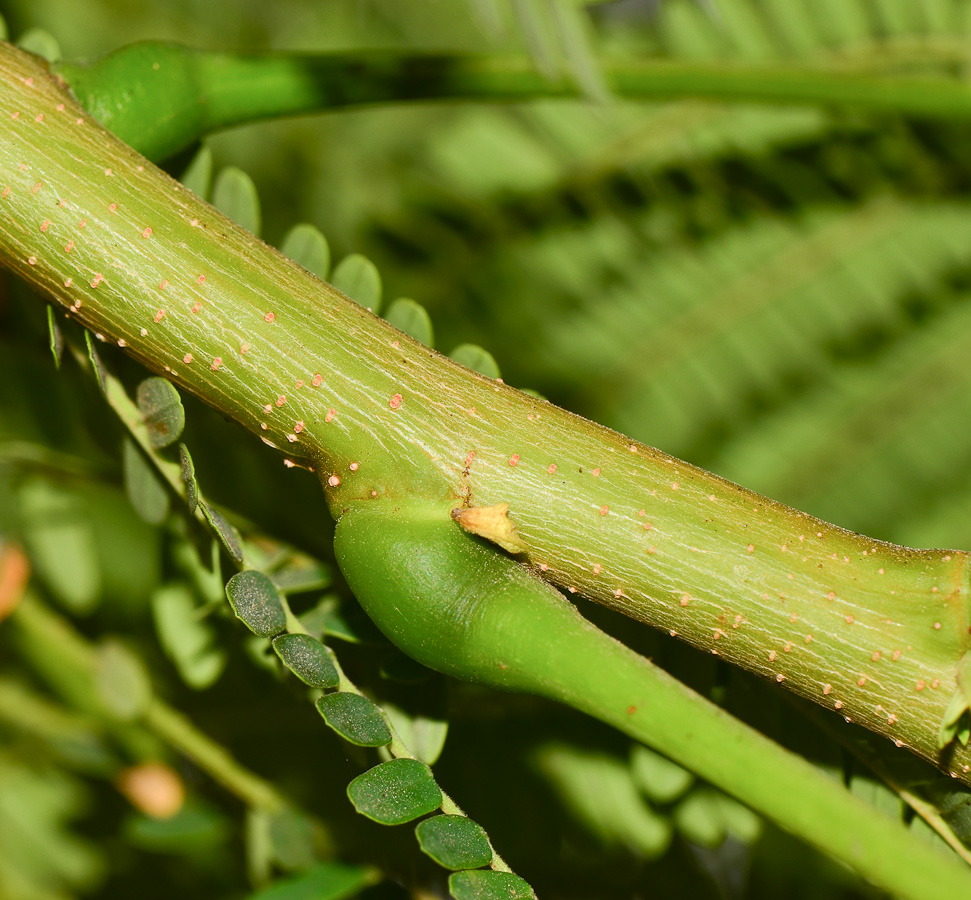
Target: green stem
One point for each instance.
(55, 643)
(875, 631)
(176, 730)
(161, 97)
(457, 606)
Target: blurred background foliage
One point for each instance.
(779, 294)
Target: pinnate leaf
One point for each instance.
(197, 176)
(235, 195)
(355, 718)
(122, 683)
(454, 842)
(55, 336)
(412, 318)
(227, 535)
(662, 780)
(396, 791)
(485, 885)
(307, 247)
(477, 359)
(308, 659)
(145, 491)
(255, 600)
(325, 881)
(359, 278)
(187, 638)
(161, 408)
(61, 543)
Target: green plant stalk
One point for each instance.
(456, 605)
(160, 97)
(876, 631)
(52, 643)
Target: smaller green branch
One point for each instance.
(176, 730)
(43, 628)
(161, 97)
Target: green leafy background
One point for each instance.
(779, 294)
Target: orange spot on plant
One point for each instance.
(196, 306)
(395, 401)
(159, 315)
(163, 284)
(69, 246)
(330, 415)
(596, 473)
(514, 459)
(200, 279)
(334, 480)
(37, 187)
(604, 510)
(298, 427)
(147, 233)
(14, 575)
(281, 400)
(217, 362)
(552, 468)
(45, 225)
(187, 358)
(269, 317)
(317, 380)
(98, 278)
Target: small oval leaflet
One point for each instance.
(455, 842)
(659, 778)
(306, 246)
(358, 277)
(396, 791)
(96, 365)
(123, 685)
(162, 412)
(42, 43)
(235, 196)
(355, 718)
(55, 337)
(146, 493)
(197, 176)
(325, 881)
(485, 885)
(223, 530)
(308, 659)
(189, 478)
(474, 357)
(255, 601)
(412, 318)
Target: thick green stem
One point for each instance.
(876, 631)
(160, 97)
(458, 606)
